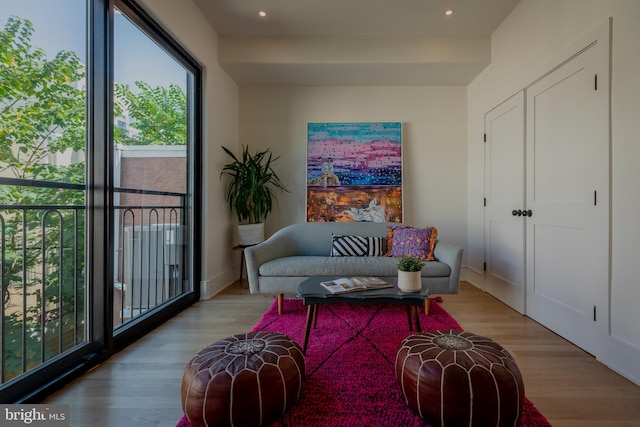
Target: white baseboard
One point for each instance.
(473, 276)
(623, 358)
(211, 287)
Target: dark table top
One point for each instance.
(311, 289)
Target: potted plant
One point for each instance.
(251, 191)
(409, 273)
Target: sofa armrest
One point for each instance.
(277, 246)
(452, 256)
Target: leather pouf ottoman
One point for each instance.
(244, 380)
(457, 378)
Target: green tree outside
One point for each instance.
(160, 114)
(43, 112)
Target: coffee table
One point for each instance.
(313, 294)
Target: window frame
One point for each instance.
(138, 16)
(36, 384)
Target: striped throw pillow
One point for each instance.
(356, 246)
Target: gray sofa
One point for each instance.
(291, 255)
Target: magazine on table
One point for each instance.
(354, 284)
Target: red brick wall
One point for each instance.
(152, 173)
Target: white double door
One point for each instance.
(547, 199)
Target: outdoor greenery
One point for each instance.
(42, 115)
(159, 114)
(251, 188)
(42, 111)
(410, 263)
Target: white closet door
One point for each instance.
(504, 191)
(568, 194)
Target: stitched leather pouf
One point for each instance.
(244, 380)
(457, 378)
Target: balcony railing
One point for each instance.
(42, 273)
(150, 256)
(42, 266)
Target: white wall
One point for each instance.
(184, 21)
(434, 144)
(443, 153)
(536, 32)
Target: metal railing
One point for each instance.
(150, 257)
(42, 266)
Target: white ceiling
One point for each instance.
(355, 42)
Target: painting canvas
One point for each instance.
(354, 172)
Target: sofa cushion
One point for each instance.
(356, 246)
(406, 240)
(344, 266)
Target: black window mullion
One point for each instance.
(99, 159)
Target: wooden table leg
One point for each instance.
(416, 311)
(427, 306)
(307, 327)
(280, 303)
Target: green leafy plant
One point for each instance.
(253, 181)
(159, 114)
(410, 263)
(42, 111)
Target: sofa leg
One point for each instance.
(427, 306)
(280, 303)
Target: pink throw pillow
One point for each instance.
(407, 240)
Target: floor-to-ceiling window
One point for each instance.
(43, 104)
(99, 141)
(153, 145)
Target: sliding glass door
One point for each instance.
(99, 143)
(43, 187)
(152, 146)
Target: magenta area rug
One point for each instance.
(350, 363)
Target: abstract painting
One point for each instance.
(354, 172)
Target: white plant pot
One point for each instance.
(250, 234)
(409, 281)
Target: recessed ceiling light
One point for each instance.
(262, 14)
(448, 12)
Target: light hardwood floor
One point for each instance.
(140, 386)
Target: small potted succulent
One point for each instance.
(409, 268)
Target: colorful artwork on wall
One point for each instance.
(354, 172)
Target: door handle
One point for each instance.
(516, 212)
